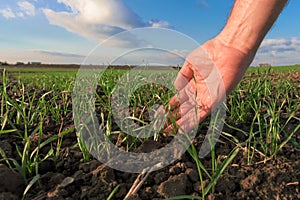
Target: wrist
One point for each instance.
(249, 22)
(237, 46)
(241, 39)
(227, 55)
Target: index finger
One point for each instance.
(184, 76)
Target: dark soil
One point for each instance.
(69, 177)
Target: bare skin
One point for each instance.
(231, 52)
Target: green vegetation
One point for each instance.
(266, 102)
(283, 69)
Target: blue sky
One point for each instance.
(65, 31)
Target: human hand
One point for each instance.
(208, 74)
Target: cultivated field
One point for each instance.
(257, 155)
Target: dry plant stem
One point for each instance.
(293, 183)
(137, 184)
(41, 196)
(60, 130)
(139, 181)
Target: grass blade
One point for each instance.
(30, 184)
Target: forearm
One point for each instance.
(249, 22)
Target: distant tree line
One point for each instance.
(19, 63)
(4, 63)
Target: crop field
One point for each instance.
(257, 155)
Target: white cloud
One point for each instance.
(57, 54)
(75, 24)
(280, 51)
(26, 8)
(159, 24)
(7, 13)
(280, 45)
(98, 19)
(47, 57)
(111, 12)
(20, 14)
